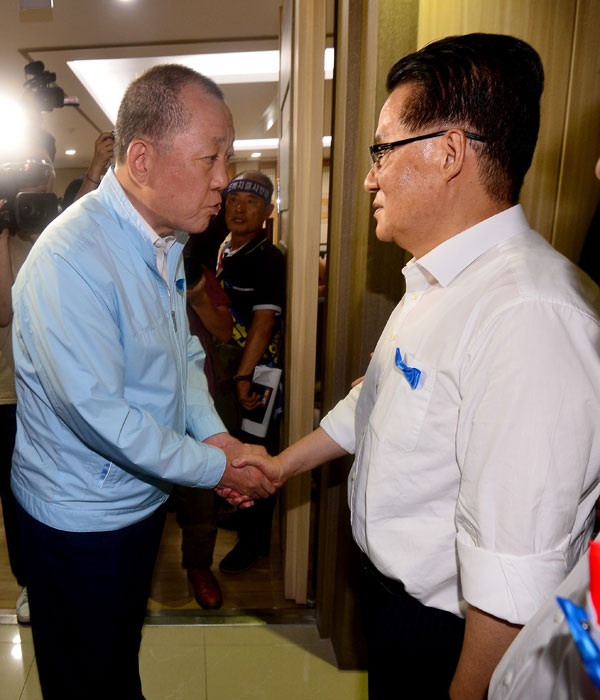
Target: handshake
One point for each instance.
(250, 473)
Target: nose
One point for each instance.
(370, 183)
(220, 178)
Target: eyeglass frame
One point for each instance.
(378, 150)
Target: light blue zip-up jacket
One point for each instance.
(111, 396)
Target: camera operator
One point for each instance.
(14, 248)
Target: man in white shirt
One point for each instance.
(475, 429)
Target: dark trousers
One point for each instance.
(254, 524)
(196, 513)
(88, 593)
(8, 432)
(413, 649)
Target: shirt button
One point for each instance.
(558, 617)
(414, 296)
(353, 477)
(508, 678)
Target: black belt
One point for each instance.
(390, 584)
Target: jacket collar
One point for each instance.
(132, 224)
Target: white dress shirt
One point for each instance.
(479, 484)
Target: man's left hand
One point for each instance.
(246, 399)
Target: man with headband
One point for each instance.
(251, 270)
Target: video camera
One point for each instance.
(26, 211)
(37, 86)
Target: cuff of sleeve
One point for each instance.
(508, 586)
(215, 467)
(339, 422)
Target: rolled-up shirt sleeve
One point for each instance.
(529, 454)
(339, 422)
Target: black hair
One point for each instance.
(152, 107)
(489, 84)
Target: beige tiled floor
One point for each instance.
(205, 662)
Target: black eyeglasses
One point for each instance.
(378, 150)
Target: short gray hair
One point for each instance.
(152, 105)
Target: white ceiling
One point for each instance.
(135, 29)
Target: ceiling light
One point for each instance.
(266, 144)
(257, 154)
(107, 79)
(70, 152)
(255, 144)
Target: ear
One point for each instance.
(454, 147)
(139, 161)
(269, 211)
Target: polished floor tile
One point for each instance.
(16, 661)
(209, 662)
(284, 672)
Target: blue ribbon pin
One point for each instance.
(579, 625)
(180, 284)
(412, 374)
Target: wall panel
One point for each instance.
(578, 189)
(549, 28)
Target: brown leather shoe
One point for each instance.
(206, 588)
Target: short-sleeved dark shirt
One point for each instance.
(254, 278)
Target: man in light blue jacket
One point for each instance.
(112, 401)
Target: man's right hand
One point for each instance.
(271, 467)
(246, 479)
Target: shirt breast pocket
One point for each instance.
(399, 410)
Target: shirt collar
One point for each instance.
(226, 246)
(157, 241)
(111, 182)
(447, 260)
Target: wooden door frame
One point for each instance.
(302, 98)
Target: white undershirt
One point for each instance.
(161, 244)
